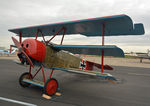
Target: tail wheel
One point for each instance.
(24, 76)
(51, 86)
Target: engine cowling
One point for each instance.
(35, 49)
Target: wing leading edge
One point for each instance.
(114, 26)
(92, 73)
(92, 50)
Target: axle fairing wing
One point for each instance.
(91, 50)
(114, 26)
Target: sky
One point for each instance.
(21, 13)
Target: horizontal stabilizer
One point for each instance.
(91, 50)
(107, 67)
(90, 66)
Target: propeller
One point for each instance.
(20, 48)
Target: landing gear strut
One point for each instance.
(50, 86)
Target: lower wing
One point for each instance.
(107, 76)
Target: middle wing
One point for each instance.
(91, 49)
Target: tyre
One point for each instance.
(51, 86)
(24, 75)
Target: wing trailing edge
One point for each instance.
(114, 26)
(91, 50)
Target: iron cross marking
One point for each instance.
(83, 65)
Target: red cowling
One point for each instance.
(35, 49)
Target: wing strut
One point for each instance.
(37, 33)
(102, 58)
(20, 37)
(63, 35)
(62, 29)
(46, 42)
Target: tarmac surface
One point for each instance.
(131, 89)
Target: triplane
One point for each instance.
(46, 54)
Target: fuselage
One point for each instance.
(60, 59)
(48, 56)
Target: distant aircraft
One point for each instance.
(60, 57)
(8, 51)
(144, 56)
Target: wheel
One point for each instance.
(51, 86)
(24, 75)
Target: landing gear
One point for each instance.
(25, 76)
(51, 86)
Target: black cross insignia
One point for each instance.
(83, 65)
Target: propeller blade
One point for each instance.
(16, 42)
(21, 50)
(29, 60)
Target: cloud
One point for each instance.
(18, 13)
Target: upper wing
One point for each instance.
(114, 26)
(91, 49)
